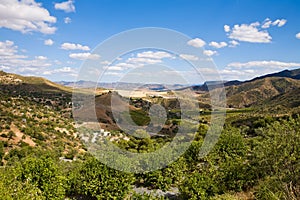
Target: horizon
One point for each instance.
(244, 39)
(183, 85)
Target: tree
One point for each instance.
(44, 174)
(94, 179)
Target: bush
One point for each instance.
(198, 186)
(44, 174)
(94, 179)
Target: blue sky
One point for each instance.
(245, 38)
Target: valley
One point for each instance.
(257, 153)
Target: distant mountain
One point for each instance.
(293, 74)
(266, 89)
(120, 85)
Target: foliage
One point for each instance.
(94, 179)
(44, 174)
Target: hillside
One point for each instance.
(35, 116)
(257, 91)
(42, 155)
(13, 84)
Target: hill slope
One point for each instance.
(256, 91)
(35, 116)
(13, 83)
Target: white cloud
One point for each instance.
(67, 20)
(72, 46)
(113, 74)
(84, 56)
(252, 69)
(269, 64)
(249, 33)
(226, 28)
(298, 35)
(48, 42)
(17, 63)
(189, 57)
(106, 62)
(233, 43)
(12, 61)
(2, 67)
(279, 22)
(41, 58)
(218, 45)
(197, 42)
(115, 68)
(137, 60)
(7, 49)
(66, 70)
(26, 16)
(209, 52)
(67, 6)
(125, 65)
(148, 57)
(154, 55)
(120, 66)
(143, 61)
(267, 23)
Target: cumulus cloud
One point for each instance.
(233, 43)
(197, 42)
(278, 22)
(218, 45)
(67, 6)
(41, 58)
(143, 61)
(26, 16)
(11, 60)
(264, 63)
(64, 70)
(115, 68)
(138, 60)
(209, 52)
(249, 33)
(48, 42)
(254, 32)
(252, 69)
(67, 20)
(148, 57)
(298, 35)
(189, 57)
(120, 66)
(226, 28)
(154, 55)
(72, 46)
(84, 56)
(106, 62)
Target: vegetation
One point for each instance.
(257, 155)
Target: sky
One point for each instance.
(55, 39)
